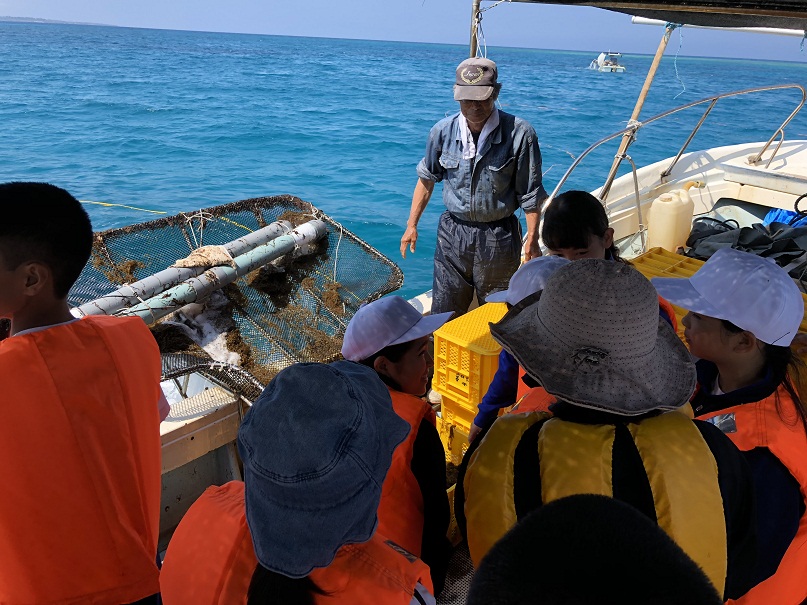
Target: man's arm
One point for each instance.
(420, 198)
(530, 191)
(532, 248)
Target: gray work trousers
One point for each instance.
(473, 257)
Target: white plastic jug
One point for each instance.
(670, 220)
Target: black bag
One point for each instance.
(778, 241)
(706, 226)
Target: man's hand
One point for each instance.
(473, 433)
(410, 238)
(532, 249)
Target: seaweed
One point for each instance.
(171, 339)
(296, 218)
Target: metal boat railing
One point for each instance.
(634, 127)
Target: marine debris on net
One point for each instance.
(292, 309)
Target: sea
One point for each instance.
(173, 121)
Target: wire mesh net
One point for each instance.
(296, 314)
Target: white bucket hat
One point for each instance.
(530, 278)
(751, 292)
(595, 339)
(385, 322)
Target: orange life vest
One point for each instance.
(531, 399)
(400, 513)
(667, 308)
(760, 425)
(377, 571)
(80, 449)
(207, 566)
(210, 559)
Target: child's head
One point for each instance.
(392, 337)
(735, 301)
(45, 241)
(576, 226)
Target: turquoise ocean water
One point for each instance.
(175, 121)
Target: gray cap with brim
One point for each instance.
(476, 80)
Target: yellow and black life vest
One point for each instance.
(577, 459)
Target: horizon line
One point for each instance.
(42, 21)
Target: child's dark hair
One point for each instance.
(785, 368)
(394, 353)
(571, 219)
(270, 588)
(46, 224)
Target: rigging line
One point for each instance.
(494, 5)
(110, 205)
(480, 35)
(675, 63)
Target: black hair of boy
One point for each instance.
(587, 549)
(44, 223)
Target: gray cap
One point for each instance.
(476, 80)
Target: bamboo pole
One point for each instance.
(627, 138)
(474, 23)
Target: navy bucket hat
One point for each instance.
(316, 445)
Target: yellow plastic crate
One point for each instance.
(658, 262)
(466, 357)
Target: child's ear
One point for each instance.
(608, 237)
(746, 342)
(380, 365)
(36, 276)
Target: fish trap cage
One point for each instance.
(295, 312)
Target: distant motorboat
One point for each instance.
(608, 62)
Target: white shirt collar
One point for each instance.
(469, 148)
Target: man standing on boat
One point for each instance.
(490, 164)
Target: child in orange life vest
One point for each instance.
(79, 437)
(743, 314)
(313, 474)
(575, 227)
(392, 337)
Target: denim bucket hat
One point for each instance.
(316, 445)
(595, 339)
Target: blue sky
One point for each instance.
(510, 24)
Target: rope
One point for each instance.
(109, 205)
(480, 35)
(494, 5)
(803, 37)
(228, 220)
(675, 63)
(202, 216)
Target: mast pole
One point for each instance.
(474, 27)
(627, 138)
